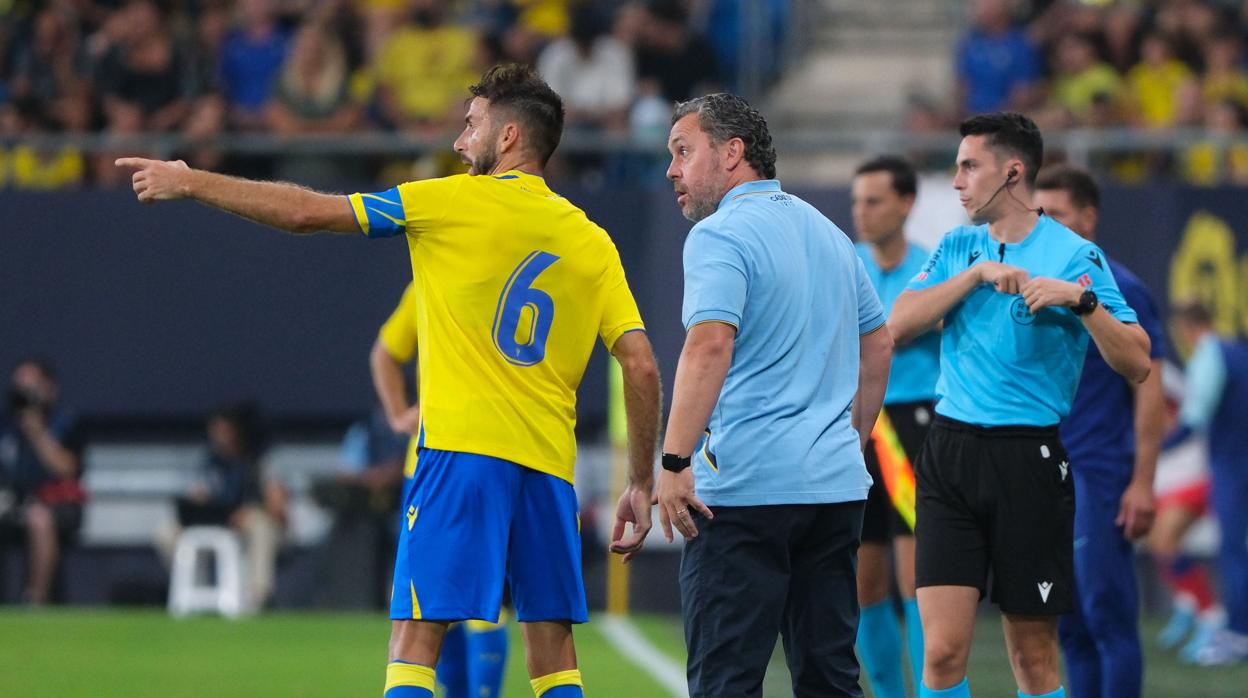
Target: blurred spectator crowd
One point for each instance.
(1147, 65)
(199, 68)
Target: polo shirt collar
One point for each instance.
(752, 187)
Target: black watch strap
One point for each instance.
(1087, 303)
(675, 463)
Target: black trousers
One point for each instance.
(760, 571)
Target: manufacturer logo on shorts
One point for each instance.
(412, 512)
(1044, 450)
(1045, 588)
(922, 416)
(1065, 468)
(1021, 313)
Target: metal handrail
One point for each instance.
(1079, 145)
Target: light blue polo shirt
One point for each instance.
(1000, 364)
(788, 279)
(917, 364)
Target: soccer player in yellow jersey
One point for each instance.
(513, 285)
(474, 653)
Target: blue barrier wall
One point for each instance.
(161, 311)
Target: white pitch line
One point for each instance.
(621, 633)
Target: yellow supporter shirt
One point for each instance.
(427, 70)
(1077, 92)
(1156, 91)
(511, 286)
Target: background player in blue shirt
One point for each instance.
(1019, 294)
(1217, 401)
(1113, 435)
(883, 193)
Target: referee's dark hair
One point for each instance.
(905, 181)
(1013, 133)
(1076, 182)
(525, 97)
(726, 116)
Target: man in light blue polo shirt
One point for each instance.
(782, 375)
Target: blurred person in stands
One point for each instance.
(1220, 156)
(144, 77)
(673, 60)
(1086, 90)
(474, 652)
(423, 69)
(1224, 77)
(1182, 501)
(251, 60)
(593, 72)
(1217, 402)
(998, 67)
(313, 96)
(41, 498)
(49, 94)
(230, 489)
(1112, 436)
(49, 72)
(1161, 91)
(883, 192)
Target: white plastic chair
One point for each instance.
(188, 594)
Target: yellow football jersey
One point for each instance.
(398, 334)
(511, 285)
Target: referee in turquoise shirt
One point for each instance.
(1019, 294)
(769, 415)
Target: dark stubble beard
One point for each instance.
(486, 161)
(704, 200)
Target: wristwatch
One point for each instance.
(675, 463)
(1087, 303)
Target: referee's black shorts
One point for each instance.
(999, 500)
(881, 521)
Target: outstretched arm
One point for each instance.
(281, 205)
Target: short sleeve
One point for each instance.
(934, 271)
(412, 207)
(1090, 270)
(716, 278)
(619, 313)
(870, 310)
(398, 334)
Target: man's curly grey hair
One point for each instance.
(725, 116)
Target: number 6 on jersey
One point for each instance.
(517, 296)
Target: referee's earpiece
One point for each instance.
(1009, 176)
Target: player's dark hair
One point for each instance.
(1076, 182)
(726, 116)
(905, 181)
(524, 96)
(1192, 312)
(1011, 133)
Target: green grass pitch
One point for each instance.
(142, 653)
